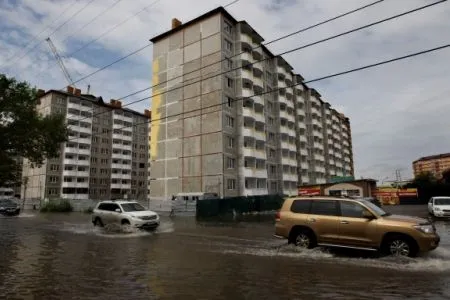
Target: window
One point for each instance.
(231, 184)
(324, 208)
(351, 210)
(229, 63)
(228, 45)
(301, 206)
(229, 82)
(53, 179)
(227, 27)
(230, 142)
(54, 167)
(231, 163)
(229, 102)
(230, 121)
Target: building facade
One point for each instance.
(105, 157)
(234, 119)
(435, 164)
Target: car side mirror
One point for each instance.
(117, 210)
(368, 215)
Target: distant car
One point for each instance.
(124, 213)
(439, 206)
(9, 207)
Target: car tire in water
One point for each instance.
(125, 222)
(98, 222)
(303, 238)
(399, 245)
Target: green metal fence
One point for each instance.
(239, 205)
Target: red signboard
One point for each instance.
(308, 192)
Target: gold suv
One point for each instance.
(351, 223)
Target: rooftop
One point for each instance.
(437, 156)
(93, 99)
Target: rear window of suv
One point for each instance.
(301, 206)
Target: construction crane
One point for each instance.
(60, 61)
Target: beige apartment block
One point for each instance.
(255, 130)
(105, 157)
(434, 164)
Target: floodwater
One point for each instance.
(63, 257)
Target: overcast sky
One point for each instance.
(398, 112)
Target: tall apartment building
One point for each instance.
(435, 164)
(106, 155)
(250, 131)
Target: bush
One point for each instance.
(89, 210)
(57, 206)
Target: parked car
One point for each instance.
(439, 206)
(352, 223)
(124, 213)
(9, 207)
(373, 200)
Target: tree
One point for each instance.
(446, 177)
(424, 180)
(24, 131)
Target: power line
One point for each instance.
(112, 29)
(280, 54)
(37, 35)
(92, 20)
(259, 46)
(56, 29)
(231, 3)
(353, 70)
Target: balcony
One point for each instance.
(247, 131)
(121, 156)
(260, 135)
(305, 179)
(318, 145)
(247, 93)
(290, 177)
(338, 164)
(123, 147)
(331, 162)
(319, 157)
(301, 124)
(259, 117)
(119, 136)
(284, 114)
(316, 123)
(281, 70)
(338, 146)
(122, 118)
(121, 176)
(258, 65)
(120, 166)
(347, 159)
(260, 173)
(317, 134)
(86, 141)
(304, 165)
(75, 173)
(282, 99)
(320, 169)
(301, 112)
(245, 38)
(76, 162)
(75, 184)
(246, 58)
(285, 145)
(77, 151)
(121, 186)
(314, 110)
(303, 152)
(321, 181)
(258, 100)
(75, 196)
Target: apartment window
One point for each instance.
(104, 130)
(227, 27)
(103, 171)
(52, 192)
(229, 63)
(93, 170)
(231, 184)
(93, 159)
(231, 162)
(104, 151)
(229, 82)
(271, 121)
(271, 136)
(105, 141)
(104, 161)
(229, 102)
(54, 167)
(230, 142)
(93, 180)
(53, 179)
(230, 121)
(95, 139)
(228, 45)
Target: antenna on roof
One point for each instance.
(88, 89)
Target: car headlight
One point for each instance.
(437, 209)
(425, 228)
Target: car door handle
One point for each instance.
(312, 220)
(344, 222)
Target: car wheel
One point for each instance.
(125, 222)
(98, 222)
(400, 246)
(304, 239)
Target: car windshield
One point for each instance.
(442, 201)
(375, 208)
(132, 207)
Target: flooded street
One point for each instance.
(64, 257)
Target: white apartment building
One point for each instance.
(243, 123)
(105, 157)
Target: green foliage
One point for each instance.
(24, 132)
(57, 206)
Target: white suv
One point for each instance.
(124, 213)
(439, 206)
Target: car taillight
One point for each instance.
(277, 216)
